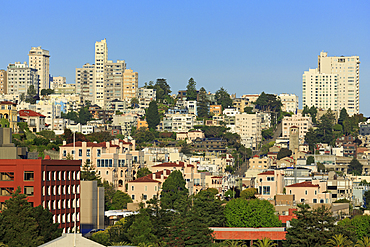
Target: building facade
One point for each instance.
(85, 78)
(57, 81)
(289, 102)
(39, 60)
(337, 79)
(304, 123)
(113, 77)
(101, 58)
(3, 81)
(248, 126)
(21, 77)
(130, 84)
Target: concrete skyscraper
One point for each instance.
(101, 58)
(39, 59)
(334, 84)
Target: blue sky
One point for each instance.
(243, 46)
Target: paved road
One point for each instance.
(244, 167)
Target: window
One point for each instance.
(64, 153)
(132, 188)
(80, 152)
(28, 176)
(145, 197)
(88, 152)
(133, 197)
(266, 190)
(6, 176)
(6, 191)
(314, 200)
(305, 192)
(98, 152)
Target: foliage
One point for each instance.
(101, 237)
(191, 91)
(355, 167)
(310, 139)
(120, 200)
(152, 116)
(223, 98)
(324, 131)
(48, 134)
(23, 225)
(232, 193)
(103, 136)
(310, 160)
(82, 116)
(311, 111)
(360, 225)
(265, 242)
(185, 148)
(229, 169)
(313, 227)
(109, 192)
(269, 103)
(284, 152)
(248, 110)
(339, 241)
(250, 213)
(248, 193)
(46, 91)
(268, 133)
(265, 148)
(31, 94)
(203, 104)
(343, 116)
(173, 190)
(142, 172)
(134, 102)
(89, 173)
(364, 242)
(143, 135)
(4, 123)
(208, 209)
(320, 167)
(141, 230)
(367, 199)
(162, 89)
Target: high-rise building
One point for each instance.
(3, 82)
(130, 84)
(85, 78)
(39, 59)
(289, 102)
(334, 84)
(57, 81)
(101, 58)
(113, 81)
(21, 77)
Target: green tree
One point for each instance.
(134, 102)
(84, 115)
(360, 225)
(142, 172)
(284, 152)
(248, 110)
(152, 115)
(203, 104)
(191, 90)
(143, 135)
(355, 167)
(141, 230)
(268, 133)
(320, 167)
(310, 139)
(185, 148)
(248, 193)
(45, 226)
(324, 132)
(88, 173)
(265, 242)
(47, 91)
(31, 94)
(343, 116)
(223, 98)
(313, 227)
(120, 200)
(48, 134)
(109, 192)
(18, 227)
(310, 160)
(339, 240)
(22, 97)
(250, 213)
(173, 190)
(209, 209)
(364, 242)
(103, 136)
(101, 237)
(162, 89)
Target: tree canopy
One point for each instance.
(173, 190)
(203, 104)
(355, 167)
(250, 213)
(152, 115)
(284, 152)
(223, 98)
(191, 90)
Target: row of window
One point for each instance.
(60, 175)
(61, 204)
(66, 218)
(60, 190)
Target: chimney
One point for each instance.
(153, 175)
(64, 143)
(107, 144)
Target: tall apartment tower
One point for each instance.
(113, 81)
(85, 78)
(130, 84)
(101, 58)
(334, 84)
(39, 59)
(3, 82)
(20, 77)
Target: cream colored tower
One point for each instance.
(101, 58)
(348, 71)
(130, 84)
(3, 82)
(113, 80)
(39, 59)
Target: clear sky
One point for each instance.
(243, 46)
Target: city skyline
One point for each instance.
(244, 47)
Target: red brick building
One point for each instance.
(54, 184)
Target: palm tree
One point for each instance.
(339, 241)
(265, 242)
(364, 242)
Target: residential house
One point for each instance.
(35, 121)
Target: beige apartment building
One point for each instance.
(57, 81)
(20, 78)
(248, 126)
(39, 59)
(346, 71)
(269, 184)
(130, 84)
(289, 102)
(304, 123)
(85, 78)
(241, 103)
(251, 97)
(101, 58)
(114, 81)
(309, 192)
(3, 82)
(257, 165)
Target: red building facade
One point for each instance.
(54, 184)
